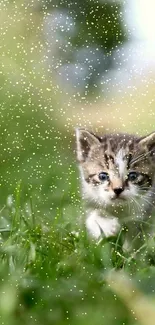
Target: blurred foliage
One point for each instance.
(86, 34)
(32, 150)
(50, 274)
(99, 22)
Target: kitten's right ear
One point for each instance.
(84, 140)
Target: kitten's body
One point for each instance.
(117, 175)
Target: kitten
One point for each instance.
(117, 176)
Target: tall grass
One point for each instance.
(51, 273)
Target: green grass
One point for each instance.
(48, 275)
(51, 273)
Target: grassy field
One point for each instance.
(50, 272)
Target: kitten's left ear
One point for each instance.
(85, 140)
(148, 143)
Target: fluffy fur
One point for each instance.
(117, 177)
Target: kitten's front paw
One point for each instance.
(110, 227)
(94, 229)
(100, 226)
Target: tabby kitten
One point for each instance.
(117, 176)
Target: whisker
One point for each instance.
(132, 207)
(148, 202)
(136, 205)
(129, 206)
(140, 157)
(145, 188)
(150, 194)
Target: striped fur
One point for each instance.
(128, 163)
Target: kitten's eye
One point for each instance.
(103, 177)
(132, 176)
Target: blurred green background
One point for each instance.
(64, 64)
(36, 124)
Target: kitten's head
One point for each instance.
(116, 167)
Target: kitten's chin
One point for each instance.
(117, 198)
(118, 201)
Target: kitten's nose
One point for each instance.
(118, 190)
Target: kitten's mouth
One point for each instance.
(118, 198)
(117, 202)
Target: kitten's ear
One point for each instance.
(148, 143)
(84, 140)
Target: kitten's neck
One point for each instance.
(119, 210)
(124, 211)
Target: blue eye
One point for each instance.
(103, 177)
(132, 176)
